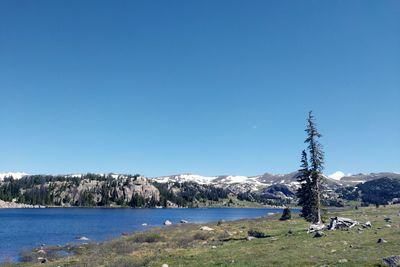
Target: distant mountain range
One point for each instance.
(256, 182)
(181, 190)
(362, 178)
(268, 179)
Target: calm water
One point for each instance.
(29, 228)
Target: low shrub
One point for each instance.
(147, 238)
(257, 234)
(200, 236)
(126, 262)
(286, 214)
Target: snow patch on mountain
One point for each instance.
(231, 179)
(337, 175)
(181, 178)
(76, 175)
(15, 175)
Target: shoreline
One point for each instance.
(147, 229)
(14, 205)
(27, 206)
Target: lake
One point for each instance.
(30, 228)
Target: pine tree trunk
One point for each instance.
(316, 199)
(318, 204)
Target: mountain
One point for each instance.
(181, 178)
(337, 175)
(181, 190)
(15, 175)
(380, 191)
(256, 182)
(362, 178)
(252, 183)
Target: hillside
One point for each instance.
(358, 178)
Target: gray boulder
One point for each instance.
(319, 234)
(368, 224)
(381, 240)
(388, 219)
(42, 260)
(392, 261)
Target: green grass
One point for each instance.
(187, 245)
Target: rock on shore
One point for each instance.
(13, 205)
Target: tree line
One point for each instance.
(45, 190)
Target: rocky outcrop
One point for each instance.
(278, 191)
(89, 190)
(120, 190)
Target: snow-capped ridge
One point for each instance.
(180, 178)
(15, 175)
(253, 182)
(337, 175)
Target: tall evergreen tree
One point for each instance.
(312, 189)
(304, 192)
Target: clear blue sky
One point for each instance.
(207, 87)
